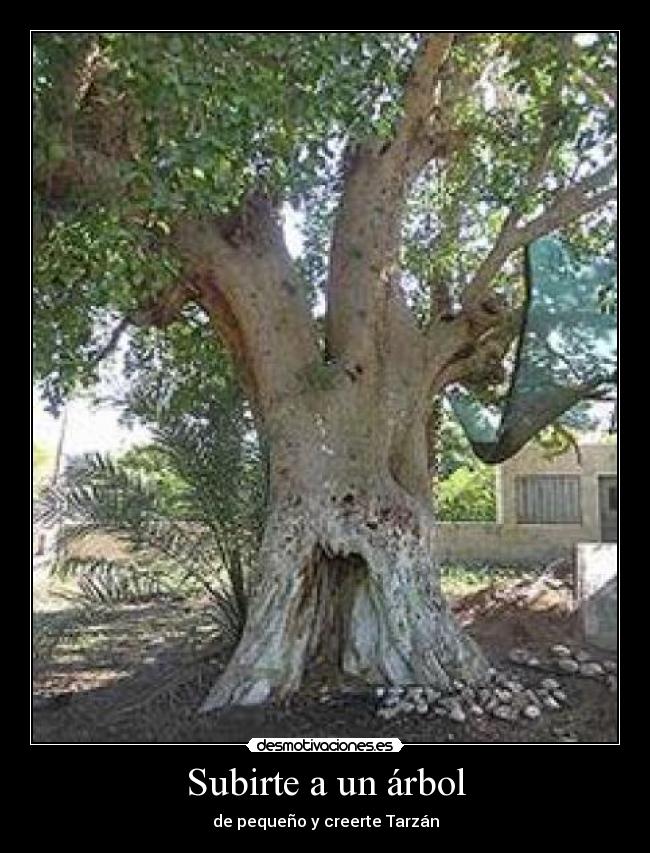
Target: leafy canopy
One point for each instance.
(134, 131)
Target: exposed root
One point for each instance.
(357, 588)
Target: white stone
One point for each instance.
(533, 697)
(477, 710)
(591, 670)
(457, 714)
(550, 684)
(568, 665)
(561, 651)
(388, 713)
(533, 661)
(519, 700)
(532, 712)
(560, 695)
(503, 695)
(503, 712)
(552, 703)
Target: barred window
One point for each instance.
(548, 499)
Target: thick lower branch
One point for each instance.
(246, 281)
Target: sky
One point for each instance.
(88, 429)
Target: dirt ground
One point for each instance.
(138, 673)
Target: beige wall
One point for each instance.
(508, 542)
(595, 460)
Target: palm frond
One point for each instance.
(97, 494)
(104, 581)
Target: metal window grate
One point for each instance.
(548, 499)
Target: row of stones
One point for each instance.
(567, 662)
(501, 696)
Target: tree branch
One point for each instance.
(539, 161)
(570, 204)
(93, 131)
(240, 271)
(366, 237)
(432, 90)
(567, 205)
(421, 94)
(481, 360)
(159, 314)
(166, 308)
(113, 341)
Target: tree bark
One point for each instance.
(348, 570)
(348, 574)
(347, 567)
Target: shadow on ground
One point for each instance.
(138, 673)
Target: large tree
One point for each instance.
(421, 164)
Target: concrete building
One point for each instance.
(544, 508)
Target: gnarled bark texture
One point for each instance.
(348, 573)
(347, 569)
(348, 580)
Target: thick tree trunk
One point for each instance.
(348, 575)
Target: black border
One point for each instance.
(461, 744)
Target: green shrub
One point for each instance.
(468, 494)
